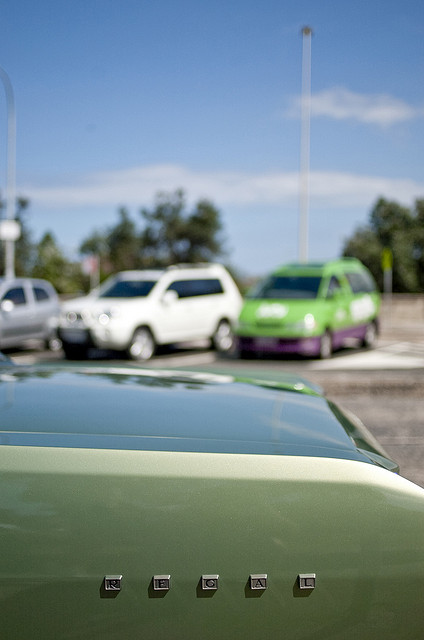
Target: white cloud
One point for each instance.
(137, 187)
(348, 190)
(341, 104)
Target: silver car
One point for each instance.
(29, 310)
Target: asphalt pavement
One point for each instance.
(390, 402)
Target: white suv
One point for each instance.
(134, 311)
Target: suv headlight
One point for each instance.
(106, 316)
(71, 317)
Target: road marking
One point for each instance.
(400, 355)
(411, 348)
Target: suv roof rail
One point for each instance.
(190, 265)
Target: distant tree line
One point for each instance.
(400, 230)
(168, 233)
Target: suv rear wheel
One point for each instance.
(223, 338)
(142, 346)
(74, 351)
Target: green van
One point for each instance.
(310, 309)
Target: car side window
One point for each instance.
(360, 282)
(40, 294)
(333, 287)
(195, 288)
(15, 295)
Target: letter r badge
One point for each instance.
(112, 583)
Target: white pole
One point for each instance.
(305, 144)
(11, 169)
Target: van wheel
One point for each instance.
(370, 338)
(142, 346)
(326, 346)
(223, 338)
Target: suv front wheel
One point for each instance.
(142, 346)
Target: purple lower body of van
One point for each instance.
(306, 346)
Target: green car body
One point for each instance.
(158, 505)
(310, 309)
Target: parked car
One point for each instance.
(134, 311)
(176, 505)
(29, 310)
(310, 309)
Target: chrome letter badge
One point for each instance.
(258, 580)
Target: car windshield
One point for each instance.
(128, 289)
(287, 288)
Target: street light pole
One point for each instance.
(305, 144)
(11, 171)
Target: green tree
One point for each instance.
(418, 242)
(124, 244)
(171, 234)
(117, 248)
(51, 265)
(203, 229)
(162, 238)
(388, 218)
(24, 248)
(399, 229)
(366, 246)
(43, 260)
(97, 245)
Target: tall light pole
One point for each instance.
(10, 232)
(305, 144)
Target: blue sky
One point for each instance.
(118, 100)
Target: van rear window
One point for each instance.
(287, 288)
